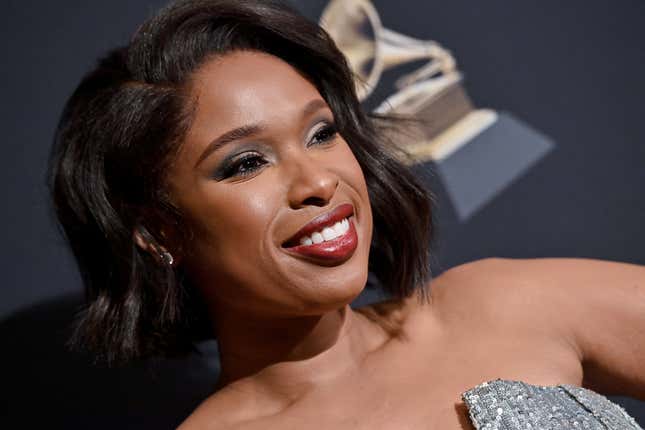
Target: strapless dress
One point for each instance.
(514, 405)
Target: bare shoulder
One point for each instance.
(505, 278)
(461, 293)
(224, 410)
(482, 281)
(212, 413)
(556, 292)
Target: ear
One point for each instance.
(140, 241)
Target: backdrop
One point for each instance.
(571, 74)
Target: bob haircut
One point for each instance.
(120, 130)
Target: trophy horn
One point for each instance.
(370, 48)
(493, 148)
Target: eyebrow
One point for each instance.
(252, 130)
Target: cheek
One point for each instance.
(352, 168)
(230, 224)
(355, 178)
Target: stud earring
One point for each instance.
(167, 258)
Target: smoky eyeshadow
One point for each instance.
(223, 169)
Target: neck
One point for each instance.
(293, 355)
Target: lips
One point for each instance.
(334, 251)
(320, 222)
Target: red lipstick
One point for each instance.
(338, 249)
(321, 221)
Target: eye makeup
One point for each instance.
(240, 164)
(325, 133)
(251, 159)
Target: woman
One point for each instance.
(217, 176)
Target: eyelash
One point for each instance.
(328, 132)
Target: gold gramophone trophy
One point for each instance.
(477, 152)
(432, 93)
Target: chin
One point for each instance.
(335, 293)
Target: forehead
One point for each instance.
(248, 86)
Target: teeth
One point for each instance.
(306, 241)
(327, 233)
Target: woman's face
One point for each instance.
(260, 161)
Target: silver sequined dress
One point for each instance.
(515, 405)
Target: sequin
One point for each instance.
(515, 405)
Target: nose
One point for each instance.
(312, 183)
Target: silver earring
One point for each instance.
(167, 258)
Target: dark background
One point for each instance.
(573, 70)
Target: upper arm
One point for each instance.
(601, 306)
(592, 310)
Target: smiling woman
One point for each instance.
(224, 131)
(288, 174)
(217, 177)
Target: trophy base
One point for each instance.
(450, 140)
(477, 159)
(436, 104)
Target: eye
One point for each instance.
(325, 134)
(243, 166)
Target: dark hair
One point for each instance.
(125, 122)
